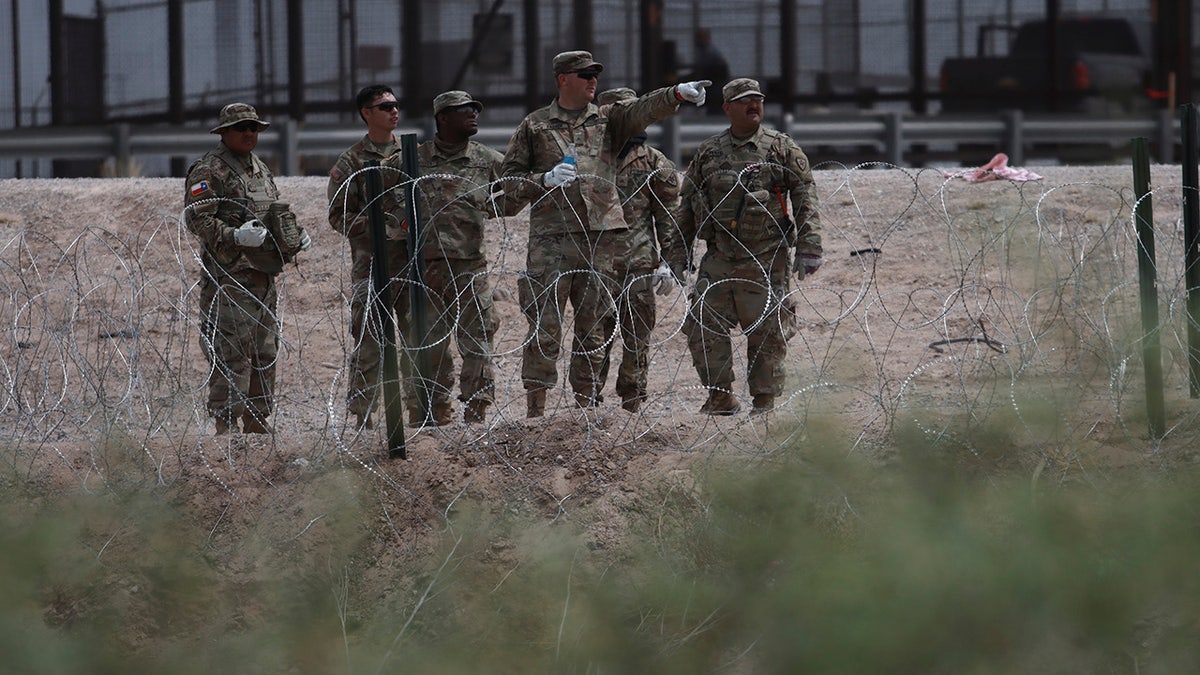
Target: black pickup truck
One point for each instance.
(1104, 67)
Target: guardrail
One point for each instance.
(892, 135)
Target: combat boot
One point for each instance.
(535, 403)
(224, 426)
(720, 402)
(251, 424)
(476, 411)
(632, 403)
(442, 414)
(363, 420)
(763, 403)
(585, 401)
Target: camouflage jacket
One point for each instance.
(347, 189)
(649, 189)
(736, 195)
(599, 133)
(455, 187)
(222, 191)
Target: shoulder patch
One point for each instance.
(336, 172)
(198, 189)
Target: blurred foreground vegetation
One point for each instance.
(806, 560)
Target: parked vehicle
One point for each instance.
(1104, 66)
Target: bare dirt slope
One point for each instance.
(917, 303)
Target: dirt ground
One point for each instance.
(101, 355)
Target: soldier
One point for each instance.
(736, 197)
(649, 188)
(247, 235)
(347, 195)
(574, 224)
(455, 188)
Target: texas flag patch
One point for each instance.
(199, 188)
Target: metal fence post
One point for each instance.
(381, 278)
(1151, 352)
(1191, 239)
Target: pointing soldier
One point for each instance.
(247, 235)
(565, 157)
(749, 193)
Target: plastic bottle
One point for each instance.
(569, 158)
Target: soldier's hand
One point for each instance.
(562, 174)
(807, 264)
(305, 240)
(251, 234)
(693, 92)
(664, 279)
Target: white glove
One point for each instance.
(251, 234)
(807, 264)
(305, 241)
(664, 279)
(693, 92)
(562, 174)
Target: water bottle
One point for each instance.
(569, 158)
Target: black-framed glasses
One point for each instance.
(587, 74)
(464, 108)
(386, 106)
(243, 127)
(749, 99)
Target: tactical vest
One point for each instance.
(749, 217)
(283, 239)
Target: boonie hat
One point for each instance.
(569, 62)
(450, 99)
(616, 95)
(237, 112)
(740, 88)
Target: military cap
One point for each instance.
(569, 62)
(740, 88)
(237, 112)
(616, 95)
(449, 99)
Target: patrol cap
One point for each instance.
(569, 62)
(237, 112)
(740, 88)
(616, 95)
(450, 99)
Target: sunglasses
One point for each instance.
(386, 106)
(243, 127)
(587, 74)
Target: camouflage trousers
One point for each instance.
(576, 267)
(367, 328)
(749, 294)
(239, 334)
(637, 315)
(460, 303)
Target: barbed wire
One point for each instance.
(961, 310)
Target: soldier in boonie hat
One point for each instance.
(572, 62)
(451, 99)
(238, 112)
(616, 95)
(740, 88)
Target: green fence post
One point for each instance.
(1151, 351)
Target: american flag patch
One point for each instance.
(199, 188)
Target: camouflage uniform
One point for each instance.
(347, 195)
(455, 188)
(743, 278)
(574, 233)
(649, 188)
(239, 325)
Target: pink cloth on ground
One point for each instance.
(997, 168)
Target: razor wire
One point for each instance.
(963, 311)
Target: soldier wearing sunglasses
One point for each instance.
(347, 195)
(563, 160)
(233, 208)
